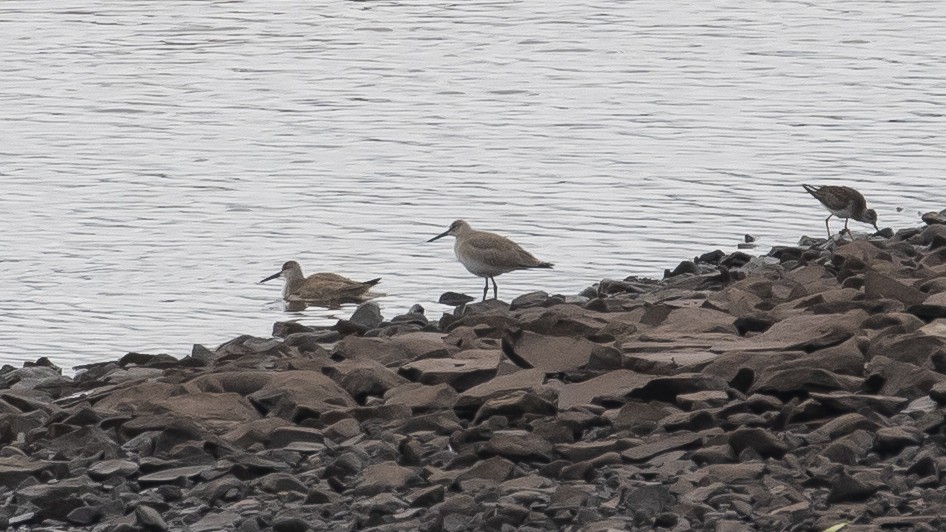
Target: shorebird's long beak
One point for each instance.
(273, 276)
(441, 235)
(876, 228)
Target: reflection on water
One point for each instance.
(157, 162)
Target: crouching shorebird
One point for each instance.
(327, 288)
(488, 254)
(843, 202)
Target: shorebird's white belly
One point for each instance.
(476, 265)
(842, 213)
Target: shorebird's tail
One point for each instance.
(543, 265)
(372, 282)
(811, 189)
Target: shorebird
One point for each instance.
(328, 288)
(843, 202)
(488, 254)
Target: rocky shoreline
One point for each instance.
(797, 390)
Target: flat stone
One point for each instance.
(661, 445)
(611, 384)
(112, 468)
(849, 402)
(518, 445)
(476, 367)
(394, 351)
(933, 307)
(174, 474)
(149, 518)
(496, 469)
(363, 378)
(515, 405)
(383, 477)
(706, 397)
(761, 441)
(807, 332)
(880, 286)
(526, 379)
(422, 398)
(551, 354)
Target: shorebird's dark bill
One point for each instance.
(441, 235)
(273, 276)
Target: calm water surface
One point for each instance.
(157, 159)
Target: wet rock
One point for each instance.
(454, 299)
(367, 316)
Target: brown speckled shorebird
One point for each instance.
(328, 288)
(843, 202)
(488, 254)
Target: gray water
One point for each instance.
(157, 159)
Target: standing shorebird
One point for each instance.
(843, 202)
(328, 288)
(488, 254)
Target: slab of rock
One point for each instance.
(661, 445)
(515, 405)
(421, 397)
(112, 468)
(933, 307)
(849, 402)
(806, 332)
(219, 411)
(880, 286)
(476, 367)
(362, 378)
(518, 445)
(901, 379)
(173, 474)
(472, 398)
(803, 379)
(385, 477)
(611, 384)
(394, 351)
(495, 469)
(552, 354)
(761, 441)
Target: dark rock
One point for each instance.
(661, 445)
(363, 378)
(762, 442)
(367, 316)
(847, 488)
(454, 299)
(933, 307)
(475, 367)
(530, 300)
(149, 518)
(530, 350)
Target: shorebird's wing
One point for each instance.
(499, 251)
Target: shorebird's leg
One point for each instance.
(826, 226)
(846, 230)
(486, 288)
(495, 289)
